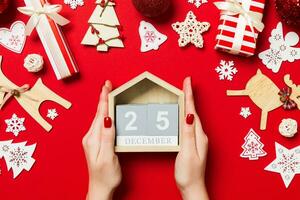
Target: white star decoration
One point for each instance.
(287, 163)
(15, 125)
(245, 112)
(190, 30)
(52, 114)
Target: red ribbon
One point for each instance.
(101, 41)
(103, 4)
(288, 104)
(94, 30)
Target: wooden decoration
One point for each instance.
(30, 99)
(295, 95)
(263, 92)
(147, 89)
(103, 31)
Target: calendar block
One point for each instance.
(155, 114)
(131, 120)
(144, 125)
(163, 119)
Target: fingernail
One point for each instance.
(107, 122)
(106, 83)
(190, 119)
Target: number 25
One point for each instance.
(162, 121)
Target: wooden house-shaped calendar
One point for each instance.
(148, 113)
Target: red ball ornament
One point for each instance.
(289, 10)
(152, 8)
(3, 5)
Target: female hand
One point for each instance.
(98, 143)
(191, 160)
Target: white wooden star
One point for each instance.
(287, 163)
(190, 30)
(245, 112)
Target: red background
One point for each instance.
(60, 170)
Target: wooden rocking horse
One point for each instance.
(30, 98)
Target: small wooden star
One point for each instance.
(190, 30)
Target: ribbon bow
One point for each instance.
(288, 104)
(47, 9)
(8, 93)
(233, 7)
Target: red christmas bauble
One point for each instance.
(289, 10)
(3, 5)
(152, 8)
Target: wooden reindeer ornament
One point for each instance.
(295, 95)
(29, 98)
(264, 93)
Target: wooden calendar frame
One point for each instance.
(144, 89)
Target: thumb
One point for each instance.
(188, 137)
(107, 147)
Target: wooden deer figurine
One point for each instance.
(263, 92)
(295, 96)
(32, 98)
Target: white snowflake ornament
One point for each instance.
(287, 163)
(226, 70)
(15, 125)
(52, 113)
(150, 37)
(281, 49)
(245, 112)
(253, 147)
(197, 3)
(4, 147)
(19, 157)
(190, 30)
(74, 3)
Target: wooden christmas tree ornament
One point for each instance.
(104, 27)
(156, 103)
(29, 98)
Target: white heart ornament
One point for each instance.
(13, 38)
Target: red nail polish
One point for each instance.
(107, 122)
(190, 119)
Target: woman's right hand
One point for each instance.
(99, 147)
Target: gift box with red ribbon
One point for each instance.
(240, 24)
(45, 18)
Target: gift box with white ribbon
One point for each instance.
(240, 24)
(45, 18)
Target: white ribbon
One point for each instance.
(49, 10)
(233, 7)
